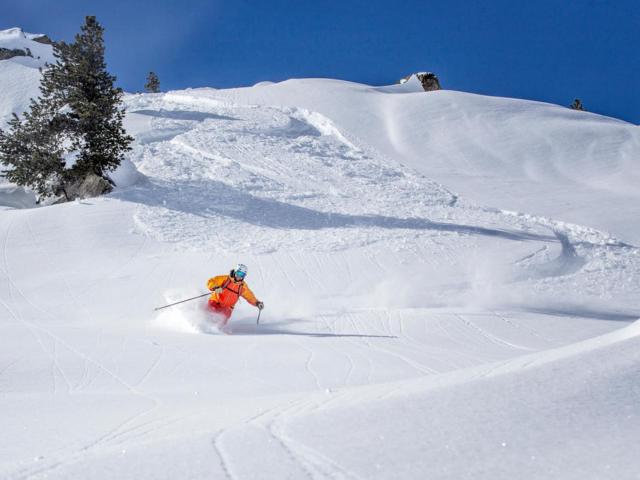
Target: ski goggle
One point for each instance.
(240, 274)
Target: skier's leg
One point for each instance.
(213, 306)
(223, 325)
(221, 315)
(218, 313)
(226, 316)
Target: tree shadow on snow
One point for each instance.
(210, 198)
(182, 115)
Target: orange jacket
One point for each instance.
(232, 291)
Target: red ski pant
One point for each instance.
(222, 312)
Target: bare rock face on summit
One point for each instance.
(428, 80)
(45, 40)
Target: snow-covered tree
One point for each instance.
(153, 83)
(34, 148)
(74, 129)
(95, 105)
(34, 152)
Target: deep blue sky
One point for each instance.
(550, 50)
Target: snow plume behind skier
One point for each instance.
(227, 290)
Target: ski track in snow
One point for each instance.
(380, 284)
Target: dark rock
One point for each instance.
(7, 53)
(429, 81)
(90, 186)
(44, 40)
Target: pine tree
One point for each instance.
(94, 104)
(74, 129)
(577, 105)
(153, 83)
(35, 148)
(35, 155)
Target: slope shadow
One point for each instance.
(210, 198)
(245, 329)
(580, 311)
(183, 115)
(293, 129)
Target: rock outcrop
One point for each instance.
(45, 40)
(428, 80)
(90, 186)
(7, 53)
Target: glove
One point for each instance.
(218, 290)
(260, 305)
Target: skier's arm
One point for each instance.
(248, 295)
(216, 282)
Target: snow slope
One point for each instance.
(20, 76)
(515, 154)
(409, 332)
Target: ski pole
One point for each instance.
(182, 301)
(258, 320)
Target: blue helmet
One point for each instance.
(240, 271)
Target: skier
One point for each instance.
(227, 290)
